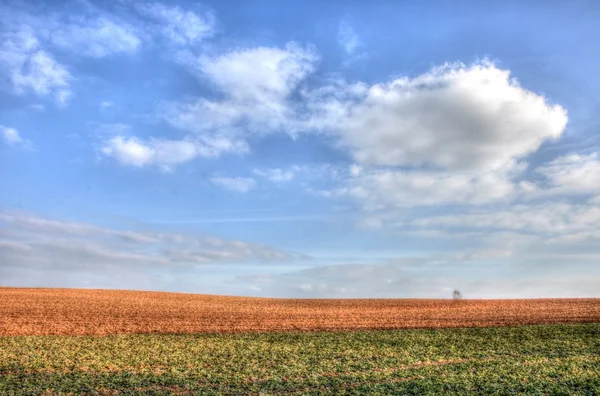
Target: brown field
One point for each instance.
(99, 312)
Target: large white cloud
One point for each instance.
(456, 135)
(452, 117)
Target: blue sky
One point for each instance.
(305, 149)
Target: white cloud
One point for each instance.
(255, 85)
(29, 40)
(29, 68)
(26, 221)
(29, 241)
(165, 153)
(384, 188)
(550, 218)
(453, 117)
(259, 75)
(11, 136)
(571, 174)
(237, 184)
(389, 188)
(36, 251)
(275, 174)
(348, 38)
(355, 170)
(26, 67)
(96, 38)
(40, 73)
(174, 151)
(129, 151)
(179, 25)
(63, 97)
(456, 135)
(207, 256)
(16, 46)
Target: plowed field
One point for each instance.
(100, 312)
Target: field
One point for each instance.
(546, 359)
(99, 312)
(83, 341)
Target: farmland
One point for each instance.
(546, 359)
(67, 341)
(100, 312)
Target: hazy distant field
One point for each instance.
(98, 312)
(547, 359)
(231, 345)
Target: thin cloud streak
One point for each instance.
(241, 220)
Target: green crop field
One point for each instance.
(548, 359)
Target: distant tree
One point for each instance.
(456, 294)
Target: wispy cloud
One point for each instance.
(275, 174)
(571, 174)
(29, 241)
(348, 38)
(255, 85)
(132, 151)
(241, 219)
(237, 184)
(543, 218)
(179, 25)
(28, 67)
(31, 42)
(10, 136)
(63, 97)
(166, 154)
(96, 37)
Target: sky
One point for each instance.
(301, 149)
